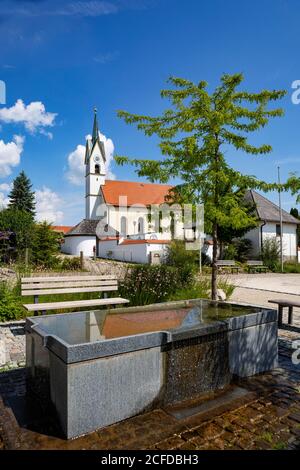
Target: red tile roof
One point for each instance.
(137, 193)
(139, 242)
(61, 228)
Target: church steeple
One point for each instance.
(95, 135)
(95, 164)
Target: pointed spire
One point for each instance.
(95, 127)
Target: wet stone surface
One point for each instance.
(266, 416)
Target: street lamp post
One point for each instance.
(281, 227)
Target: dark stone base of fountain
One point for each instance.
(196, 365)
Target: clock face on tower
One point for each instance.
(97, 158)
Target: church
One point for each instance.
(117, 224)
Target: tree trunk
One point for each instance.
(214, 274)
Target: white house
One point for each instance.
(268, 215)
(117, 223)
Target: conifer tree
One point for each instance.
(21, 196)
(196, 134)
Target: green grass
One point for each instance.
(280, 446)
(268, 437)
(201, 289)
(292, 268)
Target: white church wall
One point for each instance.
(132, 253)
(135, 253)
(134, 215)
(74, 245)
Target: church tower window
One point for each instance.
(97, 169)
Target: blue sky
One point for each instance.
(117, 54)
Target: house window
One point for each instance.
(141, 225)
(123, 226)
(97, 169)
(278, 231)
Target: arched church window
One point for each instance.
(123, 226)
(141, 225)
(97, 169)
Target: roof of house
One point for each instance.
(267, 210)
(92, 227)
(136, 193)
(61, 228)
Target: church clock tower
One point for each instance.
(95, 164)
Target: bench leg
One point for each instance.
(280, 312)
(290, 320)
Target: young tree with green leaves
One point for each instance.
(21, 196)
(196, 133)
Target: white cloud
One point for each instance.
(75, 172)
(3, 201)
(76, 168)
(103, 58)
(34, 116)
(48, 205)
(10, 154)
(5, 187)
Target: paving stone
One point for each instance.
(209, 431)
(295, 417)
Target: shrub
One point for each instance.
(230, 252)
(243, 248)
(201, 290)
(270, 253)
(184, 260)
(226, 287)
(238, 250)
(291, 267)
(198, 290)
(145, 284)
(10, 303)
(69, 264)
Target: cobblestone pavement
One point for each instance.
(266, 416)
(12, 344)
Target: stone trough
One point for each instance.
(101, 367)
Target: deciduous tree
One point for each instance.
(196, 134)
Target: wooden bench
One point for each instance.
(285, 304)
(256, 265)
(36, 286)
(228, 264)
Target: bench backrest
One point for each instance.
(255, 263)
(67, 284)
(225, 262)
